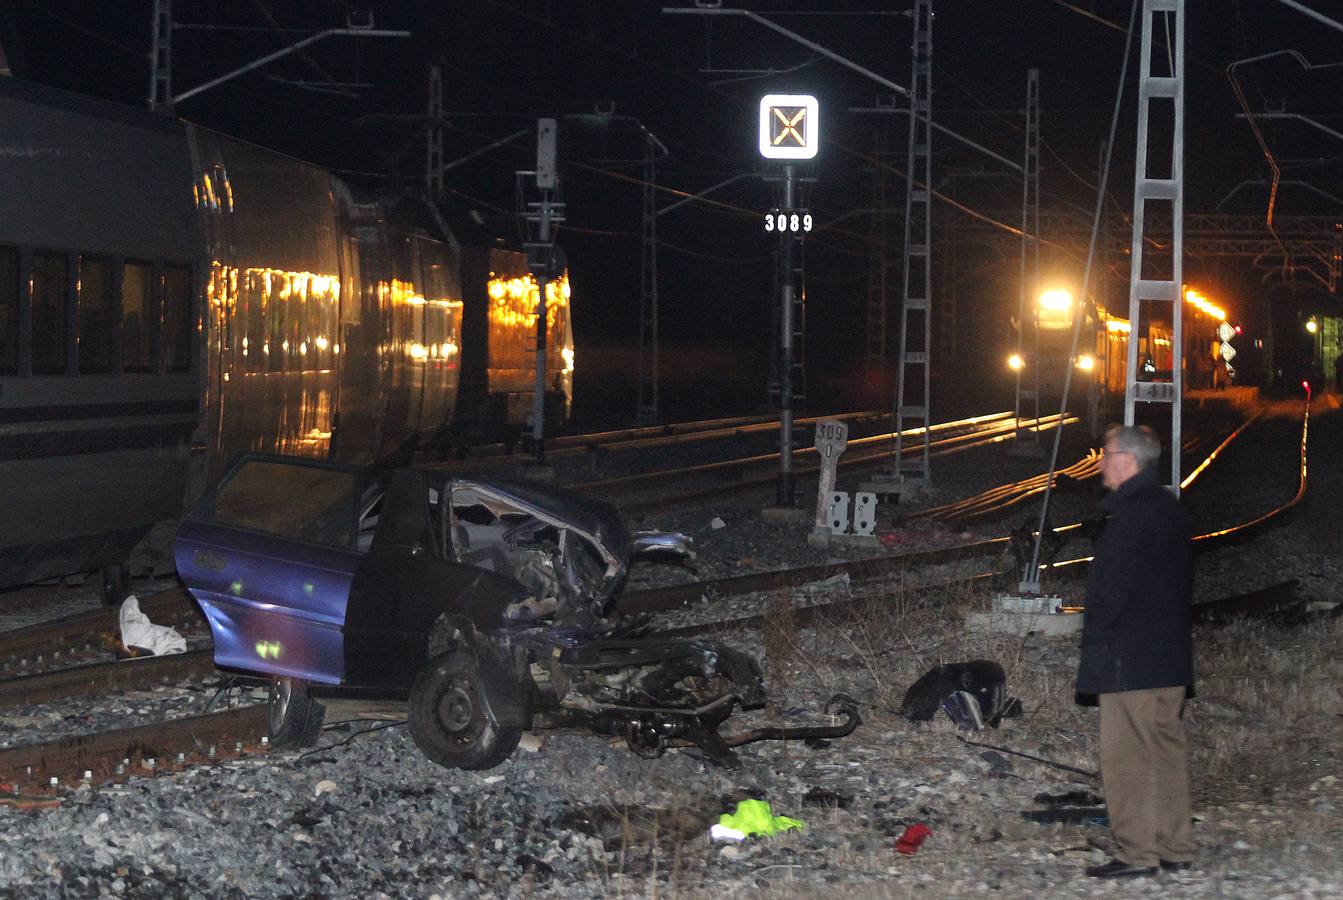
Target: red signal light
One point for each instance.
(1237, 329)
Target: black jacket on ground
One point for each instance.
(1136, 632)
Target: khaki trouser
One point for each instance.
(1145, 770)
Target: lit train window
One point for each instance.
(96, 333)
(137, 304)
(9, 310)
(176, 318)
(50, 277)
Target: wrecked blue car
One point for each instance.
(487, 606)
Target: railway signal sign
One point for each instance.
(1226, 331)
(832, 439)
(789, 126)
(797, 221)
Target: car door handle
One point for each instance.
(214, 562)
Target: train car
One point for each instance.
(499, 327)
(171, 298)
(1101, 360)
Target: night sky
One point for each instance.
(694, 82)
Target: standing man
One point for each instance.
(1137, 656)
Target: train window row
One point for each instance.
(79, 314)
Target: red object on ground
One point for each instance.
(913, 838)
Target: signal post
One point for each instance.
(789, 131)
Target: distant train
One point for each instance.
(1101, 361)
(171, 297)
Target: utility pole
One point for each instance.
(433, 136)
(544, 214)
(647, 411)
(1159, 189)
(789, 131)
(783, 495)
(914, 358)
(161, 58)
(1028, 310)
(878, 261)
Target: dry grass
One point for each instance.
(1265, 734)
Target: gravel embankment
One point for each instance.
(367, 816)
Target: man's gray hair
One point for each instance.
(1139, 440)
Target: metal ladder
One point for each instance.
(1028, 315)
(1164, 17)
(914, 370)
(878, 298)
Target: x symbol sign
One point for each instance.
(789, 129)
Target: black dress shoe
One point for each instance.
(1117, 868)
(1173, 865)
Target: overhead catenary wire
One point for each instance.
(1032, 573)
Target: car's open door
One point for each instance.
(270, 554)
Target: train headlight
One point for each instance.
(1086, 362)
(1015, 362)
(1056, 300)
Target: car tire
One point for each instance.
(295, 719)
(448, 717)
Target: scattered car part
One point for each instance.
(982, 681)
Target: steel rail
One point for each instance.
(1002, 497)
(139, 749)
(82, 630)
(989, 425)
(106, 677)
(1239, 531)
(948, 446)
(654, 435)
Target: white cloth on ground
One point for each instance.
(138, 631)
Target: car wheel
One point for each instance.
(295, 719)
(449, 719)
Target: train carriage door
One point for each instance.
(348, 301)
(213, 196)
(442, 335)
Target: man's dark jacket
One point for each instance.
(1136, 632)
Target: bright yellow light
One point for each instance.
(321, 342)
(1056, 300)
(568, 354)
(1120, 326)
(1204, 305)
(418, 351)
(1016, 362)
(1086, 363)
(1312, 326)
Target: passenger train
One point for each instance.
(171, 297)
(1101, 361)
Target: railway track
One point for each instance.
(653, 436)
(1004, 497)
(666, 489)
(122, 752)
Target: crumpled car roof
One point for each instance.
(588, 513)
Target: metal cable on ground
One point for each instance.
(1034, 568)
